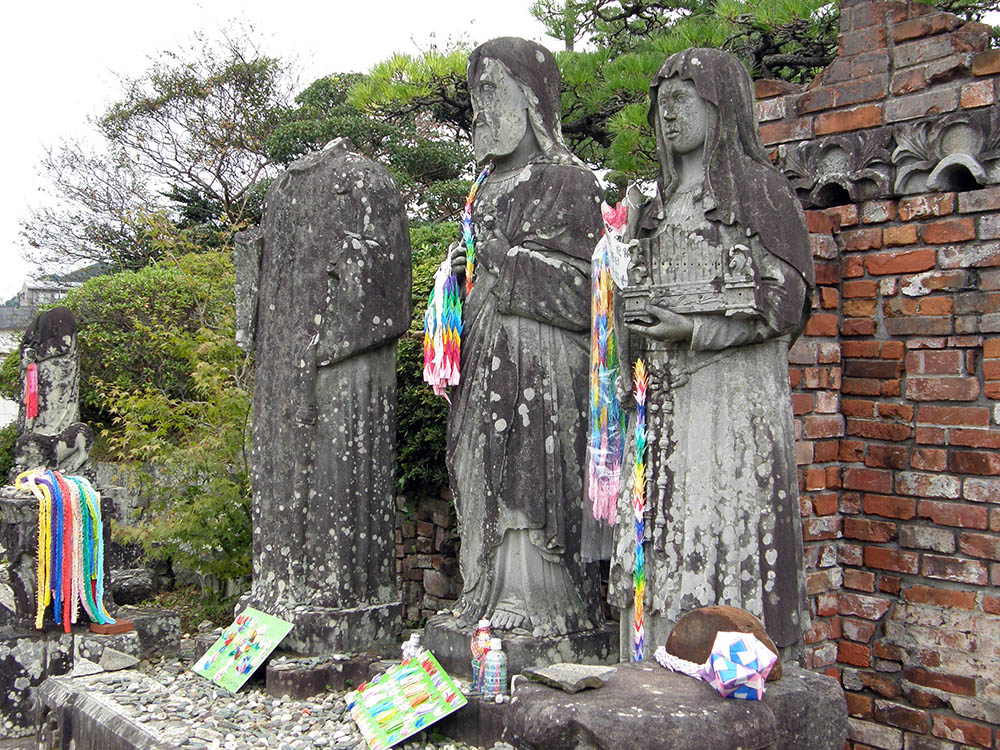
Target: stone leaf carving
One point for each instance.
(839, 169)
(958, 152)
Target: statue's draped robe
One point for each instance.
(333, 297)
(722, 502)
(517, 425)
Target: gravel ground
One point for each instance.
(187, 711)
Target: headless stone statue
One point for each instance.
(517, 424)
(323, 292)
(50, 433)
(718, 287)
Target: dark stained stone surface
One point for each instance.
(27, 658)
(694, 634)
(323, 292)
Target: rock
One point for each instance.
(113, 660)
(694, 634)
(131, 585)
(570, 678)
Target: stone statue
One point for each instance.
(323, 292)
(517, 425)
(49, 429)
(718, 285)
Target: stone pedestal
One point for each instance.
(450, 644)
(27, 658)
(326, 630)
(644, 705)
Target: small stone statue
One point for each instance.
(517, 425)
(50, 433)
(323, 292)
(718, 286)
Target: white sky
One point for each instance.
(61, 59)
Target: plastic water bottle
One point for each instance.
(494, 670)
(411, 648)
(479, 646)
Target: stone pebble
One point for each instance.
(184, 710)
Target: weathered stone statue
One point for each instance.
(718, 287)
(323, 292)
(517, 425)
(49, 429)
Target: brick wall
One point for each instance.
(896, 382)
(426, 555)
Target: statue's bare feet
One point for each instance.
(508, 617)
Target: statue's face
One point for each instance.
(501, 112)
(683, 115)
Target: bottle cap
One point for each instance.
(495, 644)
(484, 623)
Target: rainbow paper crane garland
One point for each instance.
(639, 508)
(443, 318)
(606, 443)
(70, 556)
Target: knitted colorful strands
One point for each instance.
(70, 547)
(31, 391)
(639, 509)
(443, 332)
(468, 236)
(443, 319)
(606, 442)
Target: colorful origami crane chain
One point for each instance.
(468, 233)
(639, 508)
(70, 552)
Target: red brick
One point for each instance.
(825, 450)
(818, 581)
(869, 531)
(859, 580)
(865, 289)
(977, 94)
(975, 438)
(936, 305)
(851, 451)
(872, 480)
(887, 456)
(987, 199)
(820, 222)
(929, 459)
(858, 327)
(949, 683)
(942, 389)
(980, 545)
(934, 362)
(966, 416)
(860, 631)
(865, 116)
(904, 717)
(893, 350)
(978, 255)
(986, 63)
(828, 273)
(823, 426)
(961, 730)
(786, 130)
(901, 235)
(816, 529)
(934, 23)
(828, 297)
(889, 507)
(982, 490)
(862, 239)
(824, 505)
(859, 308)
(859, 605)
(879, 430)
(859, 705)
(928, 485)
(940, 597)
(904, 261)
(861, 40)
(920, 207)
(822, 324)
(974, 462)
(954, 569)
(850, 554)
(991, 604)
(855, 407)
(878, 212)
(883, 558)
(855, 654)
(930, 102)
(954, 514)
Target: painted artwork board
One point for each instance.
(405, 699)
(241, 649)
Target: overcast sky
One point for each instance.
(61, 59)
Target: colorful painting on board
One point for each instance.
(406, 699)
(241, 648)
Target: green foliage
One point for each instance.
(420, 415)
(10, 376)
(8, 435)
(195, 607)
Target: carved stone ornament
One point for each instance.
(840, 169)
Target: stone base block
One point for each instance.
(326, 630)
(159, 630)
(27, 658)
(644, 705)
(450, 644)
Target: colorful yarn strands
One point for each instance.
(606, 443)
(443, 319)
(70, 553)
(639, 509)
(31, 391)
(468, 233)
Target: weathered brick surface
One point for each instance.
(899, 458)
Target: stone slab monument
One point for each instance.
(49, 429)
(719, 284)
(323, 292)
(517, 425)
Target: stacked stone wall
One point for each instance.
(426, 555)
(896, 382)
